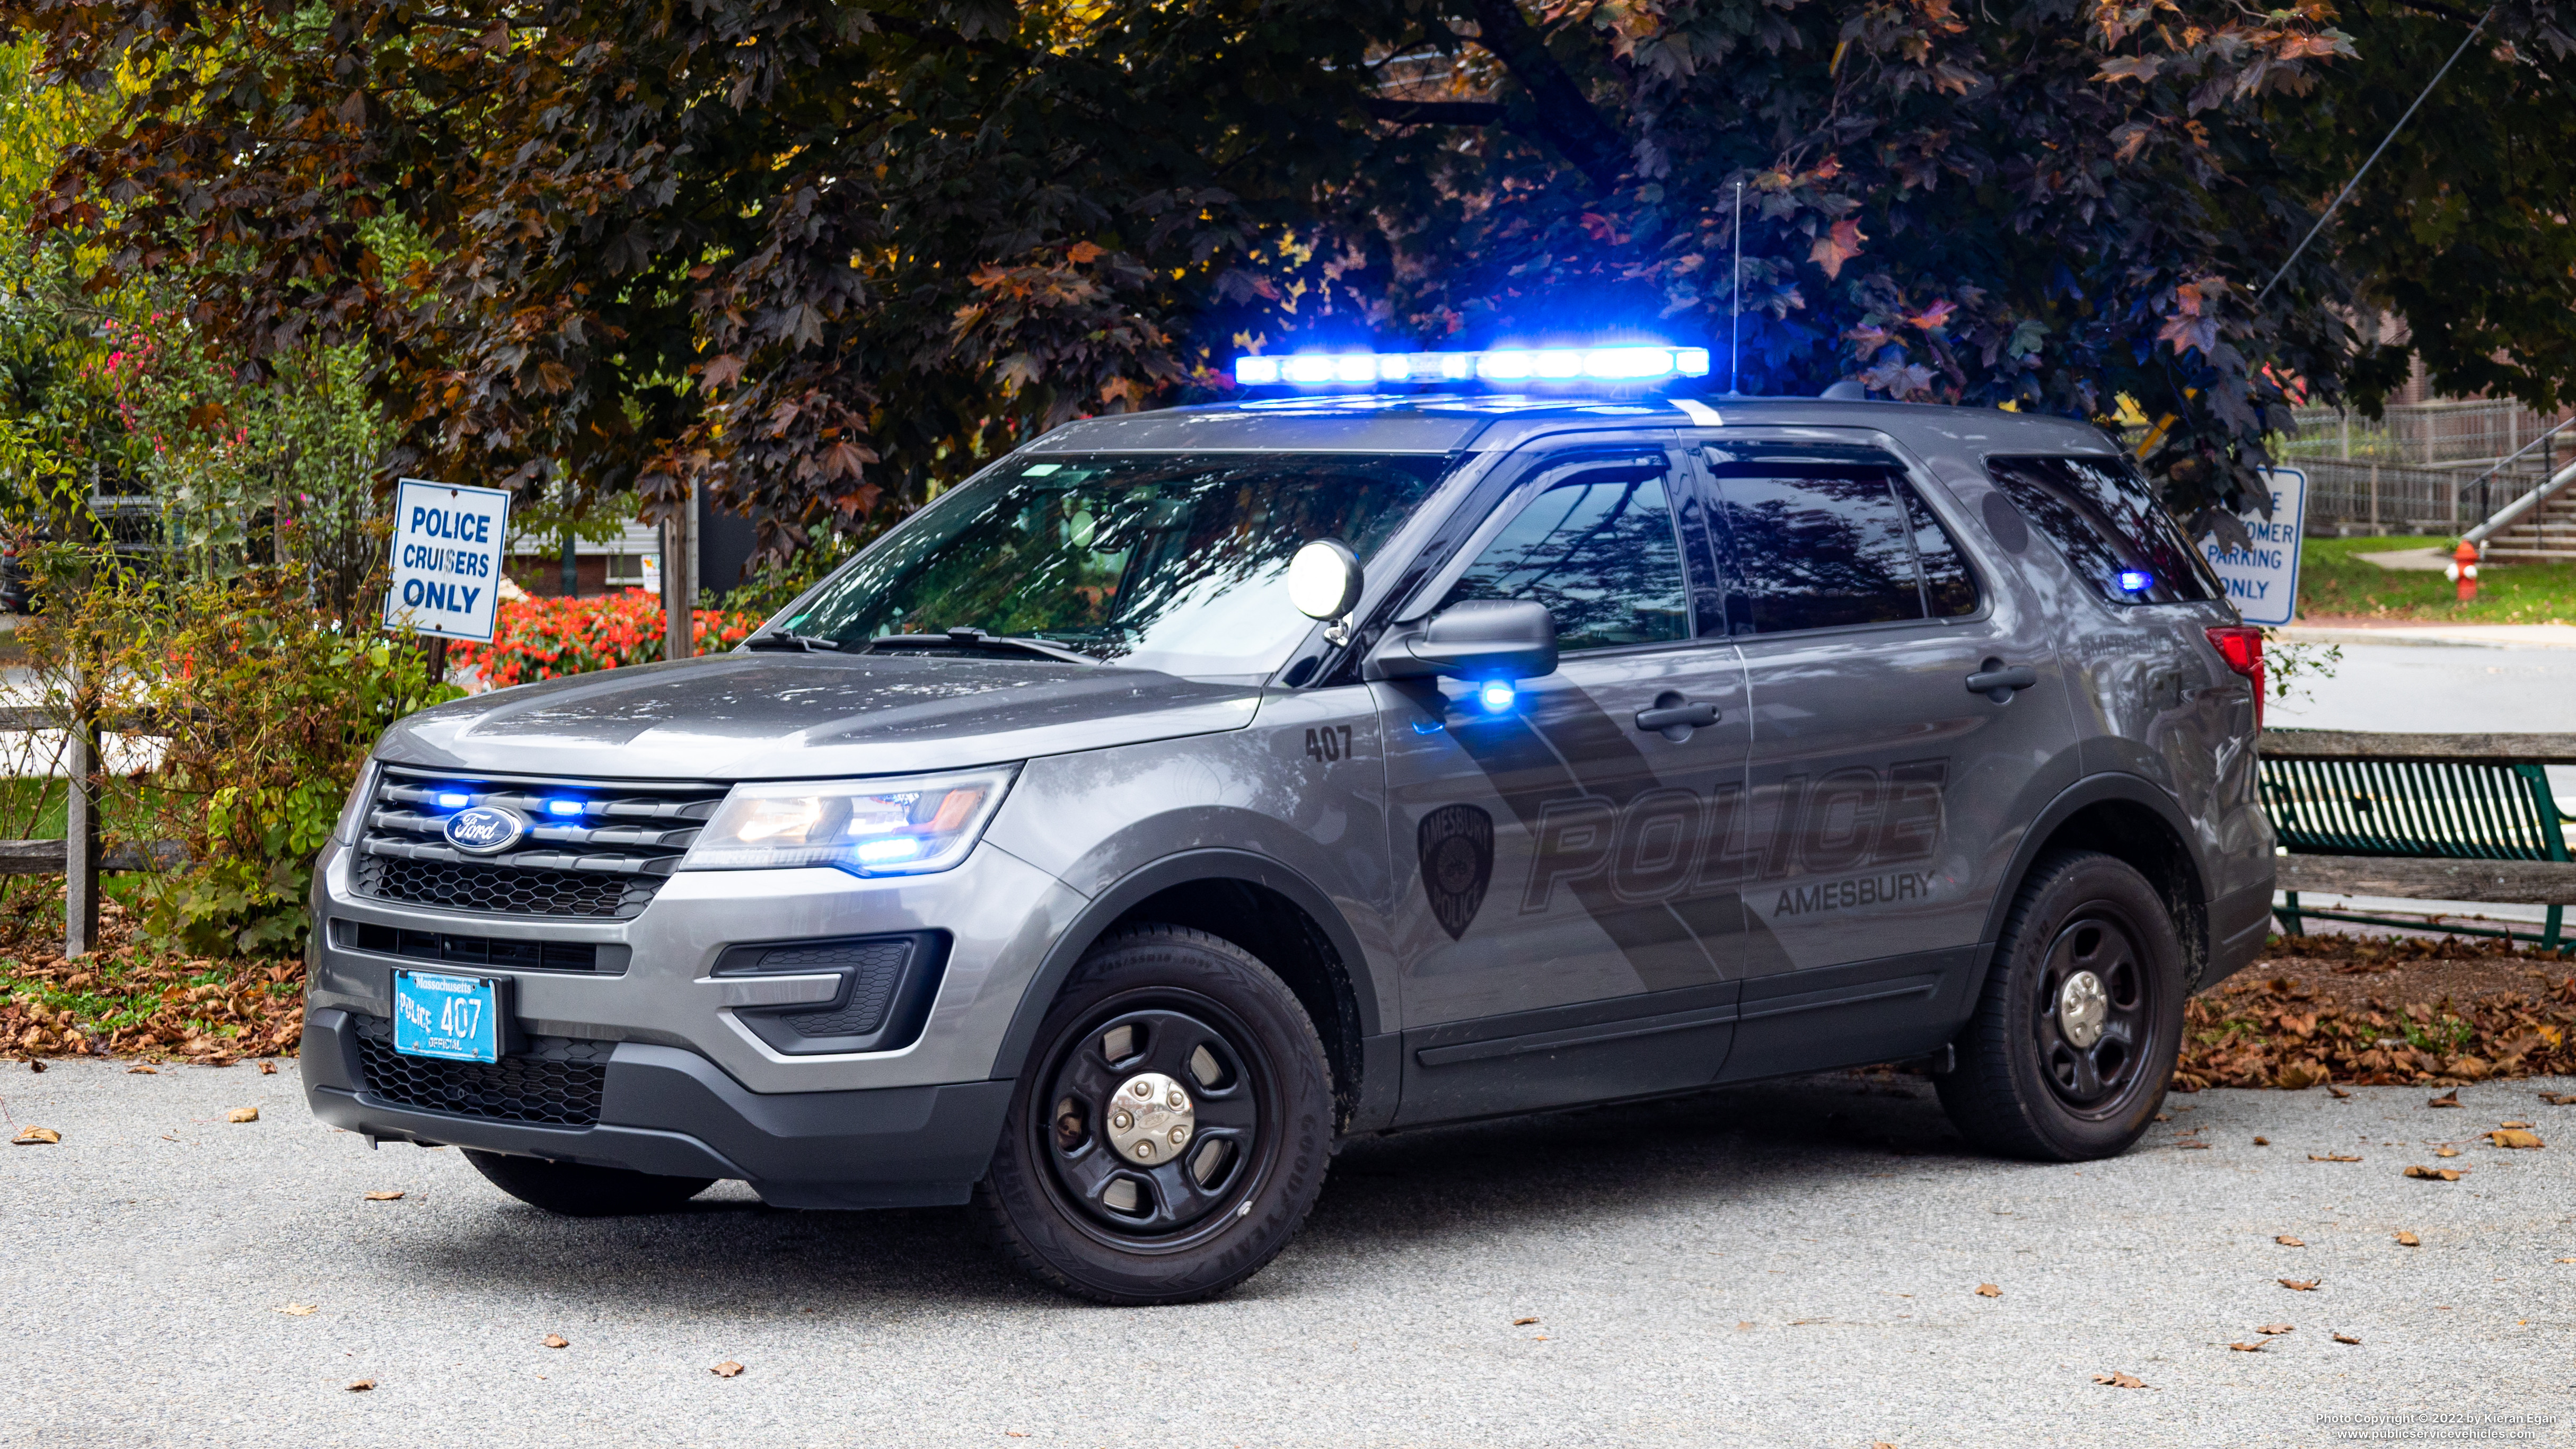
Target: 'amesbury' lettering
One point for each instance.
(1867, 890)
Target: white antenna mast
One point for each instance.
(1735, 305)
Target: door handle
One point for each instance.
(1671, 711)
(1997, 681)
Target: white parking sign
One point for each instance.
(447, 558)
(2263, 580)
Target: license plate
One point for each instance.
(454, 1017)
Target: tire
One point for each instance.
(1180, 1011)
(2027, 1082)
(574, 1190)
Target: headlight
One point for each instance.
(867, 827)
(353, 811)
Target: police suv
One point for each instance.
(1191, 790)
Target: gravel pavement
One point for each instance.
(1792, 1264)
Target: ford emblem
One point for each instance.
(486, 829)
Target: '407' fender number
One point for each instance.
(1332, 742)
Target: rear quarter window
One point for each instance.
(2102, 515)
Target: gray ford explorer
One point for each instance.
(1191, 790)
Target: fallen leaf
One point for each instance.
(2559, 1099)
(2119, 1380)
(2446, 1152)
(2513, 1124)
(297, 1310)
(2164, 1116)
(242, 1114)
(142, 1071)
(2450, 1098)
(557, 1340)
(1989, 1290)
(35, 1136)
(2192, 1146)
(2345, 1338)
(1742, 1326)
(2273, 1328)
(2255, 1347)
(1523, 1322)
(2331, 1157)
(2299, 1285)
(2409, 1240)
(268, 1069)
(2338, 1092)
(2514, 1137)
(384, 1197)
(2444, 1174)
(2262, 1141)
(727, 1369)
(34, 1065)
(2286, 1241)
(361, 1386)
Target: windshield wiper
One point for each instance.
(789, 639)
(963, 638)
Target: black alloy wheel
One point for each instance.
(1154, 1119)
(2074, 1039)
(2095, 1011)
(1172, 1127)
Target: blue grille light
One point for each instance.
(563, 807)
(1637, 363)
(1496, 695)
(2136, 581)
(453, 799)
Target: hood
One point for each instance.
(779, 716)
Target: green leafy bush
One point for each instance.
(265, 705)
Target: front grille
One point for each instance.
(556, 1082)
(606, 859)
(449, 948)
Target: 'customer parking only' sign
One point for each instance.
(447, 558)
(2262, 578)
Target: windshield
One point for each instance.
(1175, 562)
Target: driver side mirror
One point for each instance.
(1507, 639)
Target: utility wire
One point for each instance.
(2374, 156)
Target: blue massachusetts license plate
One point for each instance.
(455, 1017)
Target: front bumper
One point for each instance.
(998, 913)
(672, 1112)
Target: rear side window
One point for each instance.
(1599, 550)
(2102, 516)
(1819, 547)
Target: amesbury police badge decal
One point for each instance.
(1457, 849)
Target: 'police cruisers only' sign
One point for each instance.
(2263, 580)
(447, 558)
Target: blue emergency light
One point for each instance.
(2136, 581)
(1621, 363)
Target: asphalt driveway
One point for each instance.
(1795, 1264)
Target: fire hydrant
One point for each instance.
(2464, 570)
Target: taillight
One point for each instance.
(2241, 645)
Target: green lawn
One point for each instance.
(2335, 583)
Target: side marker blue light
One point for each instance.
(2136, 581)
(1497, 695)
(453, 799)
(883, 852)
(563, 807)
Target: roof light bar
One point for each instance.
(1630, 363)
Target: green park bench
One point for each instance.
(2419, 817)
